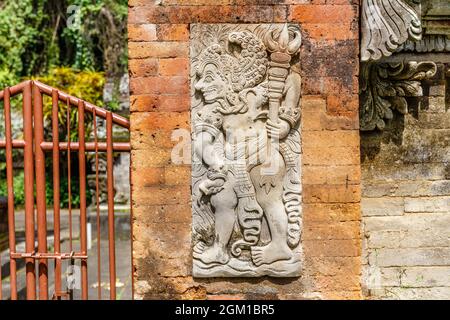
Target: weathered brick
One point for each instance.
(331, 193)
(170, 213)
(159, 158)
(173, 67)
(332, 248)
(159, 85)
(143, 67)
(159, 103)
(331, 156)
(143, 122)
(331, 174)
(177, 175)
(141, 32)
(331, 31)
(207, 14)
(160, 195)
(336, 231)
(320, 13)
(173, 32)
(149, 177)
(138, 50)
(336, 138)
(318, 213)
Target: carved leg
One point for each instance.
(272, 204)
(224, 204)
(277, 249)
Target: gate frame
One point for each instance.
(35, 147)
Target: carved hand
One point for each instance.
(219, 166)
(278, 130)
(208, 187)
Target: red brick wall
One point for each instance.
(160, 103)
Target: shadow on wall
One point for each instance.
(371, 140)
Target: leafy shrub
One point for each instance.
(19, 188)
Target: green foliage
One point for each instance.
(19, 34)
(38, 35)
(64, 192)
(19, 188)
(86, 85)
(19, 191)
(98, 26)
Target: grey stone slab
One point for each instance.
(246, 188)
(404, 257)
(382, 206)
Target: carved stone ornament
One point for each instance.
(429, 43)
(384, 86)
(387, 24)
(246, 187)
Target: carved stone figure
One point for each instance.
(246, 187)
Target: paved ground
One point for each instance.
(123, 256)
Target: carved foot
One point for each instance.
(270, 253)
(213, 254)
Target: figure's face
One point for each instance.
(211, 84)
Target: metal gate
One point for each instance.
(36, 149)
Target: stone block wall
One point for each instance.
(160, 103)
(406, 199)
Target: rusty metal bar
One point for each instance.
(69, 174)
(124, 122)
(29, 189)
(83, 222)
(89, 146)
(10, 185)
(18, 88)
(16, 144)
(47, 255)
(97, 200)
(69, 188)
(56, 190)
(111, 231)
(39, 158)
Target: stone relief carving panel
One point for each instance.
(246, 173)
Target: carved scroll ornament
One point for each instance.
(245, 115)
(429, 43)
(385, 25)
(384, 86)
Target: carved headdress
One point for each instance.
(243, 65)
